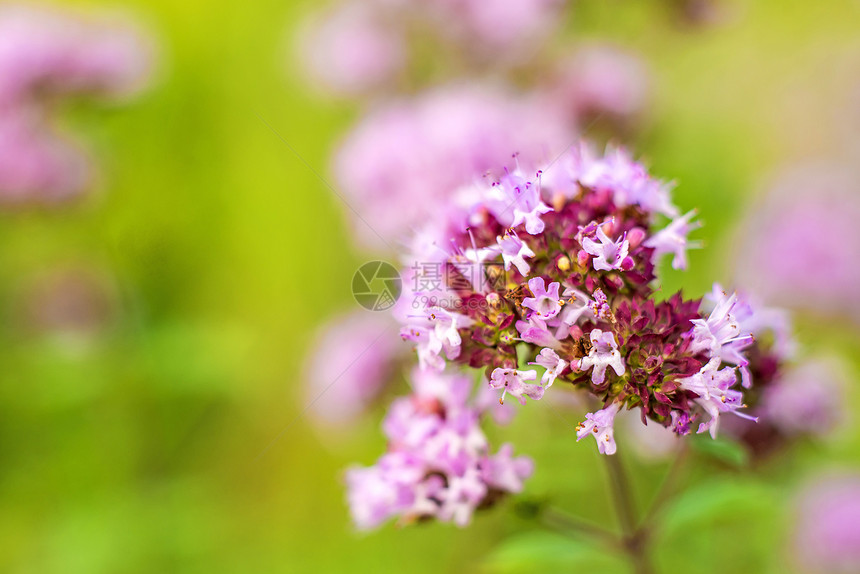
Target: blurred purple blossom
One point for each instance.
(800, 243)
(438, 462)
(599, 79)
(440, 142)
(827, 531)
(352, 361)
(358, 47)
(493, 26)
(48, 54)
(350, 50)
(36, 162)
(73, 302)
(807, 399)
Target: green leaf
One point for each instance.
(722, 449)
(716, 499)
(547, 552)
(728, 524)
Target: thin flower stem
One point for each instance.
(564, 522)
(634, 540)
(621, 495)
(667, 489)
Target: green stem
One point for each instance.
(568, 524)
(667, 489)
(634, 540)
(621, 495)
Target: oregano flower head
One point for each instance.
(548, 279)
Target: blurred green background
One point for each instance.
(143, 447)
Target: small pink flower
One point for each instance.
(604, 353)
(554, 365)
(513, 382)
(606, 253)
(545, 302)
(715, 394)
(514, 252)
(600, 426)
(673, 239)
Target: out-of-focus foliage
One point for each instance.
(170, 436)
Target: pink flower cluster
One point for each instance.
(557, 272)
(438, 462)
(586, 310)
(47, 55)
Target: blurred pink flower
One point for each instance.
(807, 399)
(827, 532)
(800, 244)
(46, 55)
(438, 462)
(599, 79)
(35, 162)
(359, 45)
(440, 143)
(75, 302)
(46, 51)
(351, 50)
(352, 361)
(493, 26)
(701, 12)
